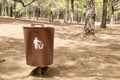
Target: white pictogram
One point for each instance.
(37, 43)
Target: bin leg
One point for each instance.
(44, 70)
(39, 71)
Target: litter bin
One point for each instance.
(39, 44)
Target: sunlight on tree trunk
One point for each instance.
(90, 17)
(4, 6)
(72, 10)
(112, 19)
(66, 17)
(51, 14)
(112, 12)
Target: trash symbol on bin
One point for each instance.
(38, 44)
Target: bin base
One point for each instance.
(39, 71)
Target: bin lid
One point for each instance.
(28, 27)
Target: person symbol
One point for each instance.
(37, 43)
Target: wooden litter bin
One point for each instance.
(39, 44)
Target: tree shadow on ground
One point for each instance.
(68, 62)
(12, 51)
(13, 54)
(83, 62)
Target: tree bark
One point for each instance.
(72, 10)
(4, 7)
(15, 14)
(104, 14)
(61, 14)
(29, 12)
(11, 10)
(112, 12)
(66, 17)
(36, 13)
(51, 18)
(89, 17)
(0, 9)
(5, 11)
(78, 15)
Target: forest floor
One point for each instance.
(75, 57)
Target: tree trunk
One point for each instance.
(6, 10)
(51, 14)
(11, 11)
(112, 18)
(72, 10)
(118, 18)
(4, 7)
(78, 15)
(39, 12)
(0, 9)
(60, 15)
(15, 14)
(36, 13)
(89, 17)
(29, 12)
(112, 12)
(104, 14)
(66, 17)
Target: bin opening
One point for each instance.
(37, 25)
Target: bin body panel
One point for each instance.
(42, 54)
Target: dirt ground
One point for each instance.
(75, 57)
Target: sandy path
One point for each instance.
(75, 57)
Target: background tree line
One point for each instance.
(87, 11)
(69, 10)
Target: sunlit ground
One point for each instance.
(75, 57)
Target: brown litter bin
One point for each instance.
(39, 43)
